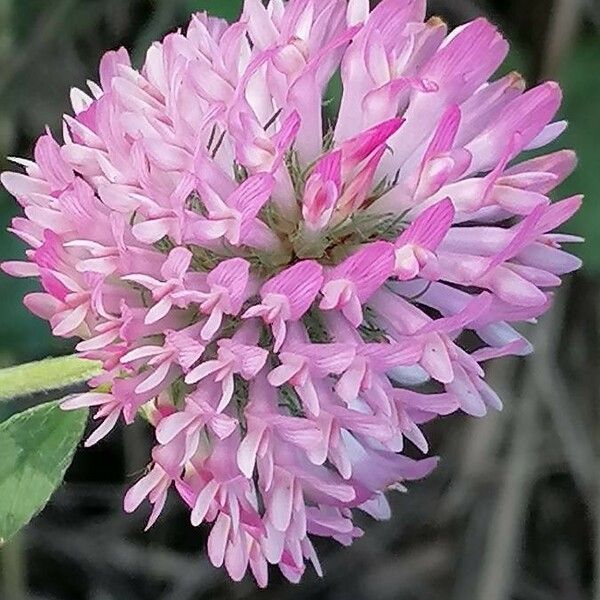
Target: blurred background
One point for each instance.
(513, 512)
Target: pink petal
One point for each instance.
(173, 425)
(155, 379)
(141, 490)
(20, 185)
(246, 455)
(212, 325)
(142, 352)
(253, 359)
(104, 429)
(329, 358)
(385, 357)
(20, 269)
(352, 310)
(252, 195)
(474, 309)
(72, 319)
(368, 269)
(281, 502)
(436, 361)
(358, 11)
(300, 284)
(445, 133)
(157, 509)
(223, 425)
(203, 370)
(348, 387)
(42, 305)
(86, 400)
(203, 502)
(430, 228)
(144, 280)
(153, 230)
(159, 311)
(282, 374)
(236, 560)
(330, 168)
(233, 275)
(177, 264)
(363, 145)
(228, 389)
(467, 394)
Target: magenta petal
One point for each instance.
(300, 284)
(430, 228)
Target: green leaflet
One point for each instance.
(45, 375)
(36, 448)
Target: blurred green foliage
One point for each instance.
(581, 83)
(228, 9)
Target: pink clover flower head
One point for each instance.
(283, 299)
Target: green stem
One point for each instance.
(46, 375)
(13, 569)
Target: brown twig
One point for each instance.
(482, 443)
(564, 24)
(505, 530)
(572, 430)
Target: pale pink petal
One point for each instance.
(212, 325)
(70, 321)
(104, 429)
(153, 230)
(218, 539)
(177, 264)
(281, 502)
(202, 504)
(248, 449)
(170, 427)
(159, 311)
(141, 490)
(367, 269)
(155, 379)
(157, 509)
(202, 370)
(86, 400)
(142, 352)
(282, 374)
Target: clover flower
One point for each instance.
(283, 295)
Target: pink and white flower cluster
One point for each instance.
(284, 298)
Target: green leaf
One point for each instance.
(229, 10)
(36, 448)
(45, 375)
